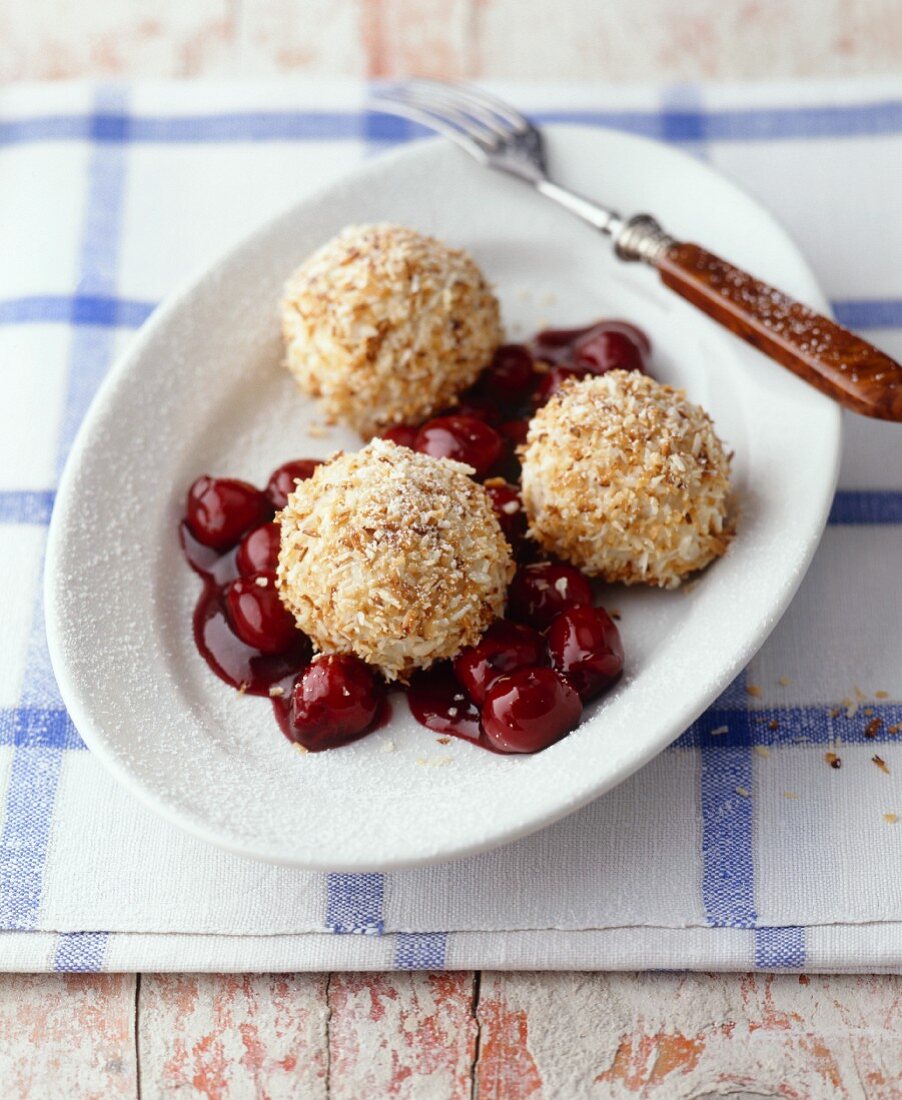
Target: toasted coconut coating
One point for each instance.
(625, 478)
(394, 556)
(387, 326)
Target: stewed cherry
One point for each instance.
(544, 589)
(504, 647)
(511, 374)
(220, 509)
(609, 346)
(553, 382)
(508, 508)
(258, 616)
(478, 405)
(515, 431)
(258, 551)
(529, 709)
(402, 434)
(333, 701)
(282, 482)
(463, 438)
(585, 647)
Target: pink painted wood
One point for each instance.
(68, 1035)
(525, 39)
(233, 1035)
(510, 1036)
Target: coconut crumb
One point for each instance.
(790, 794)
(891, 818)
(394, 556)
(386, 326)
(276, 691)
(762, 750)
(743, 792)
(784, 681)
(625, 478)
(720, 731)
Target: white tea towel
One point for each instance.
(736, 850)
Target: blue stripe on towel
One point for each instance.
(354, 904)
(97, 310)
(780, 948)
(26, 506)
(726, 791)
(692, 125)
(420, 950)
(80, 952)
(39, 729)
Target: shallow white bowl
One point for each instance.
(201, 390)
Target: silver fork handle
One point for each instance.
(637, 238)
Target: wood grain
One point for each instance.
(233, 1035)
(404, 1035)
(524, 39)
(67, 1035)
(657, 1036)
(836, 361)
(675, 1036)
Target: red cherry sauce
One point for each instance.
(241, 666)
(439, 703)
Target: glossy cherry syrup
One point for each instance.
(240, 665)
(500, 694)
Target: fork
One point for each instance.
(830, 357)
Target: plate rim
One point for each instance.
(78, 707)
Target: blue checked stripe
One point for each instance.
(104, 311)
(741, 727)
(40, 729)
(862, 507)
(97, 310)
(725, 799)
(27, 506)
(354, 904)
(780, 948)
(420, 950)
(673, 124)
(80, 952)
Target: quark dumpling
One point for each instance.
(625, 478)
(387, 326)
(394, 556)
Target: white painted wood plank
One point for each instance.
(233, 1036)
(674, 1036)
(656, 40)
(659, 40)
(401, 1035)
(58, 39)
(67, 1035)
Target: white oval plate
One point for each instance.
(201, 391)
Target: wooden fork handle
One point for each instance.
(836, 361)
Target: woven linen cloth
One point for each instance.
(732, 850)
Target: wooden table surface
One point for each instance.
(451, 1035)
(454, 1034)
